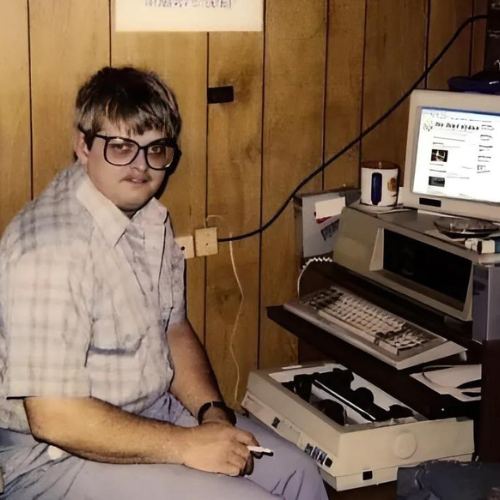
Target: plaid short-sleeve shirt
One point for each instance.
(86, 296)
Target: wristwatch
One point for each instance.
(216, 404)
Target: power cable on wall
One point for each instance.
(393, 108)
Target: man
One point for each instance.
(101, 373)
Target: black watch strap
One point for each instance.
(216, 404)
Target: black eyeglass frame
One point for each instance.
(171, 143)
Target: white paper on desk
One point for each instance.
(329, 208)
(189, 15)
(452, 391)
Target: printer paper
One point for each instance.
(452, 391)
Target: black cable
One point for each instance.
(395, 106)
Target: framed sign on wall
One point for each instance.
(189, 15)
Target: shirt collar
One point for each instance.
(151, 214)
(112, 222)
(109, 219)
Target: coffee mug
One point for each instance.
(379, 183)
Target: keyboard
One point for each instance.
(376, 331)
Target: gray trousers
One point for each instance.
(30, 473)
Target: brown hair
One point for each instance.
(138, 100)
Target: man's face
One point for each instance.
(129, 187)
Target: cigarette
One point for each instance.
(260, 449)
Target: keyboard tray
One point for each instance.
(385, 346)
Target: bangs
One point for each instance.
(137, 120)
(135, 101)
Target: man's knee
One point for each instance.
(157, 482)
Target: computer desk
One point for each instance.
(316, 343)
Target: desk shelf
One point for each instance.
(397, 383)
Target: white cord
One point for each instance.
(240, 308)
(304, 267)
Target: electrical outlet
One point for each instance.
(205, 241)
(187, 245)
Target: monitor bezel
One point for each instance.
(444, 100)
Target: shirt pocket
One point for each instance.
(111, 335)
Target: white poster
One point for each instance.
(189, 15)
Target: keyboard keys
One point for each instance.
(368, 321)
(368, 327)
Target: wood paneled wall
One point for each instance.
(322, 71)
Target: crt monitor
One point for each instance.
(453, 154)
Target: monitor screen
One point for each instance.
(458, 155)
(452, 163)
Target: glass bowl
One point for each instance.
(456, 227)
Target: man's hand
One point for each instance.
(215, 447)
(219, 416)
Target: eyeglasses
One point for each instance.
(160, 154)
